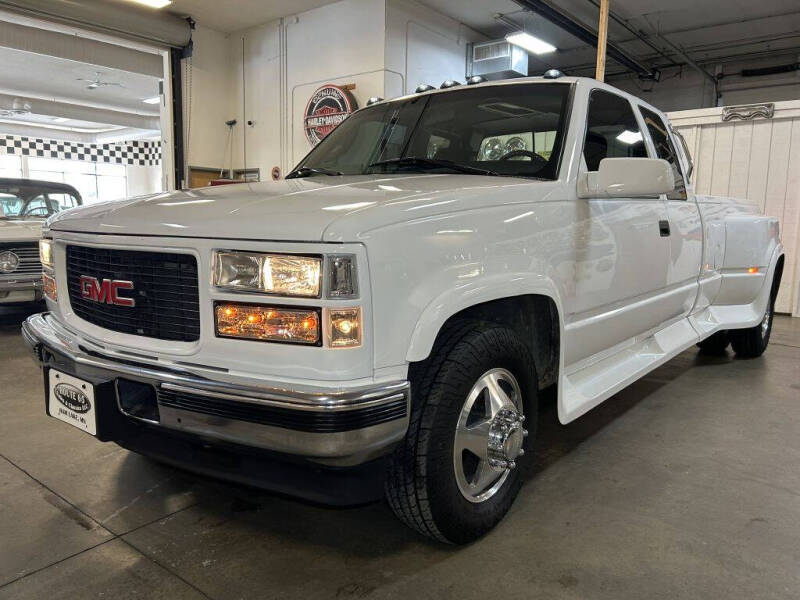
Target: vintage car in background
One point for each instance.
(383, 321)
(24, 206)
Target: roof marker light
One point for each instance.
(423, 88)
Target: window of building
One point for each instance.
(95, 181)
(10, 166)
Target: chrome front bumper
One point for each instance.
(347, 426)
(11, 286)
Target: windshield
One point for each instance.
(22, 202)
(514, 130)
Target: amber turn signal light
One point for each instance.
(49, 287)
(267, 323)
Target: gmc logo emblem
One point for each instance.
(106, 291)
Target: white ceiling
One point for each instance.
(708, 30)
(228, 16)
(56, 78)
(52, 88)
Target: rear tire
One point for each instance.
(752, 342)
(469, 363)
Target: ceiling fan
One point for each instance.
(97, 82)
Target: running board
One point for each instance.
(586, 387)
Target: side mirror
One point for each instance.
(626, 178)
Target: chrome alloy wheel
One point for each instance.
(489, 435)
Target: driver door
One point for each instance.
(622, 253)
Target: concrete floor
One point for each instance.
(684, 485)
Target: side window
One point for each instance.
(666, 150)
(62, 201)
(611, 130)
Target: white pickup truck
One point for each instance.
(382, 321)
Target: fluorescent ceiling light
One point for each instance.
(154, 3)
(153, 100)
(530, 43)
(630, 137)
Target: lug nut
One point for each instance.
(522, 418)
(521, 452)
(524, 433)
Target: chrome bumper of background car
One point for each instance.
(345, 426)
(21, 282)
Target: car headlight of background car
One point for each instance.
(9, 262)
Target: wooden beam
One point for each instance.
(602, 38)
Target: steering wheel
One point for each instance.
(514, 153)
(33, 212)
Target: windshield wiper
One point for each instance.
(418, 161)
(308, 171)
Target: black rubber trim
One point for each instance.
(286, 418)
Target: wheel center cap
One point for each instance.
(506, 437)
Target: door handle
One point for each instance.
(663, 228)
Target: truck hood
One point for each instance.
(28, 230)
(309, 209)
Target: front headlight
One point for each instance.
(275, 274)
(46, 252)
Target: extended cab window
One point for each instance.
(665, 149)
(512, 130)
(611, 130)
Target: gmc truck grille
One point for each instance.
(28, 254)
(164, 291)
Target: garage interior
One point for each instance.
(683, 485)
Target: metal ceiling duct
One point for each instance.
(111, 17)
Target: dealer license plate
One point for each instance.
(72, 400)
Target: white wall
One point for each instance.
(143, 180)
(207, 101)
(266, 74)
(686, 89)
(423, 46)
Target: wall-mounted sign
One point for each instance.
(748, 112)
(328, 106)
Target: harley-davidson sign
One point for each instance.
(328, 106)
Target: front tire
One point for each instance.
(458, 470)
(715, 344)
